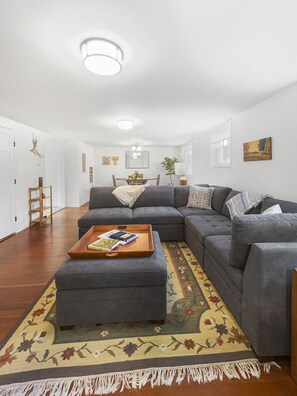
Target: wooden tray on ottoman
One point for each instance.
(142, 246)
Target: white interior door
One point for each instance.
(7, 187)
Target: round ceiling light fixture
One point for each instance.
(101, 56)
(125, 124)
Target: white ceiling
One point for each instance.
(188, 65)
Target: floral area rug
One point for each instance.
(200, 341)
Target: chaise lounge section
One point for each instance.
(249, 260)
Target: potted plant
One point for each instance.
(169, 165)
(135, 177)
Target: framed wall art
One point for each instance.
(140, 162)
(91, 174)
(83, 162)
(258, 150)
(105, 160)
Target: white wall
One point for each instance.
(103, 173)
(77, 182)
(185, 150)
(28, 167)
(55, 169)
(275, 117)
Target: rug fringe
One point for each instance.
(104, 384)
(267, 366)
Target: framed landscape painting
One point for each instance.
(257, 150)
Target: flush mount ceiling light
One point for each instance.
(101, 56)
(125, 124)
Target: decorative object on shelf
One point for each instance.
(115, 160)
(34, 148)
(180, 170)
(105, 160)
(40, 182)
(125, 124)
(169, 165)
(101, 56)
(137, 161)
(83, 162)
(258, 150)
(40, 204)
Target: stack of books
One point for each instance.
(111, 239)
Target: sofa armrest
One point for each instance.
(266, 298)
(246, 230)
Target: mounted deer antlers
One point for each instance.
(34, 148)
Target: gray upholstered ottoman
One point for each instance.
(112, 290)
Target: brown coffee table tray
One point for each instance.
(143, 246)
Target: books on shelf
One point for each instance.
(111, 239)
(104, 244)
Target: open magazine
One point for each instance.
(104, 244)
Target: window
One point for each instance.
(220, 146)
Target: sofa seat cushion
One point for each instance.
(204, 226)
(106, 216)
(116, 272)
(229, 293)
(185, 211)
(219, 248)
(157, 215)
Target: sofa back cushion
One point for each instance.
(219, 197)
(247, 230)
(102, 197)
(181, 194)
(225, 211)
(286, 206)
(156, 196)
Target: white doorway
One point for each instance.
(7, 183)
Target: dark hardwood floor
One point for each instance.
(30, 258)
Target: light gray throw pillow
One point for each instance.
(200, 197)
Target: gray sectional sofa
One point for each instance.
(249, 260)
